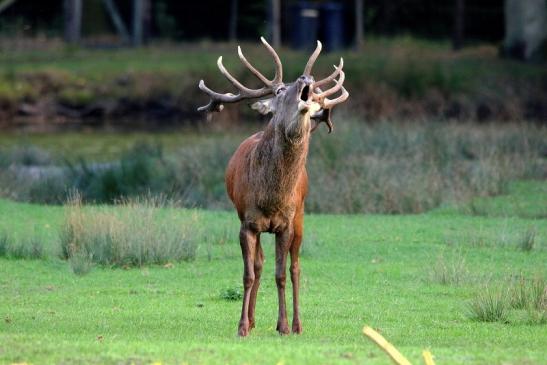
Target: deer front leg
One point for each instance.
(259, 262)
(295, 272)
(282, 241)
(247, 240)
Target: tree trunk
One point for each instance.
(232, 31)
(359, 25)
(459, 24)
(73, 20)
(117, 20)
(5, 4)
(525, 29)
(139, 10)
(147, 20)
(275, 22)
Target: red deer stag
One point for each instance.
(266, 177)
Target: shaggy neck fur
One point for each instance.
(278, 162)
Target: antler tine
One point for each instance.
(329, 104)
(332, 76)
(311, 60)
(278, 78)
(251, 68)
(215, 104)
(233, 80)
(333, 89)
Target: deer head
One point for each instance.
(293, 105)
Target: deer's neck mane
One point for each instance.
(277, 164)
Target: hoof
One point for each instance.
(283, 328)
(297, 327)
(243, 330)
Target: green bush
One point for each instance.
(140, 170)
(25, 155)
(231, 294)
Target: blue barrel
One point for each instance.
(304, 25)
(332, 26)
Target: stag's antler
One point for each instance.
(319, 96)
(217, 99)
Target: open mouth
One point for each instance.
(305, 94)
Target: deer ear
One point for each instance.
(264, 107)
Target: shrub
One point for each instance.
(137, 232)
(231, 294)
(25, 155)
(141, 169)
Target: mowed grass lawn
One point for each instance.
(378, 270)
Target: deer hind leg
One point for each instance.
(259, 262)
(295, 272)
(282, 241)
(248, 240)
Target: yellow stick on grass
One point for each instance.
(428, 358)
(395, 355)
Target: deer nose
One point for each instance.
(306, 80)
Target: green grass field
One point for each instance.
(378, 270)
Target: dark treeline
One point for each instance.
(210, 19)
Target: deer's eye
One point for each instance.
(280, 90)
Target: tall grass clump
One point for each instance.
(4, 244)
(528, 240)
(529, 294)
(411, 168)
(28, 248)
(387, 167)
(506, 237)
(514, 300)
(452, 271)
(133, 233)
(489, 305)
